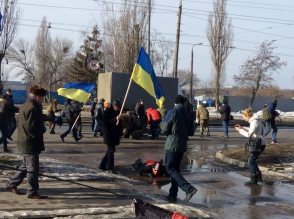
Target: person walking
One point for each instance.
(254, 130)
(50, 111)
(77, 110)
(271, 123)
(69, 114)
(7, 110)
(30, 143)
(177, 126)
(93, 107)
(112, 134)
(12, 124)
(140, 111)
(202, 115)
(99, 110)
(153, 119)
(225, 111)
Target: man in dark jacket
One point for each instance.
(271, 123)
(69, 114)
(93, 107)
(12, 124)
(225, 111)
(140, 111)
(6, 112)
(177, 126)
(30, 143)
(99, 109)
(77, 110)
(112, 134)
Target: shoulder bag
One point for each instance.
(253, 145)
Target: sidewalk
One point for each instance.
(103, 196)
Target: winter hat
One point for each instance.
(275, 101)
(117, 103)
(102, 100)
(224, 102)
(179, 99)
(38, 91)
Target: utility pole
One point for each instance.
(191, 75)
(175, 68)
(149, 21)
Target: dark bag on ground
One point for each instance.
(253, 145)
(231, 117)
(266, 114)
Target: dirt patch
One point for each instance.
(277, 154)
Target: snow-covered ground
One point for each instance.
(76, 172)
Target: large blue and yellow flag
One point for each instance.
(80, 92)
(143, 74)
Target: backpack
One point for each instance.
(266, 114)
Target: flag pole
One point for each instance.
(123, 104)
(75, 122)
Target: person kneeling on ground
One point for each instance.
(151, 168)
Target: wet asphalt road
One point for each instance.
(220, 186)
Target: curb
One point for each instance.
(239, 163)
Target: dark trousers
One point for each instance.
(11, 127)
(52, 127)
(154, 128)
(79, 126)
(30, 169)
(225, 127)
(252, 161)
(93, 123)
(172, 165)
(4, 135)
(271, 124)
(74, 131)
(107, 161)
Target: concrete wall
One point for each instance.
(114, 85)
(241, 103)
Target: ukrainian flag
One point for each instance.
(80, 92)
(143, 74)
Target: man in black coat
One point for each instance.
(69, 113)
(93, 106)
(30, 143)
(225, 111)
(12, 125)
(99, 110)
(112, 134)
(78, 108)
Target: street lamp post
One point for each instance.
(191, 74)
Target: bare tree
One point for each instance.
(161, 53)
(220, 36)
(46, 62)
(124, 32)
(257, 71)
(184, 78)
(10, 20)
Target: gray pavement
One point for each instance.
(78, 162)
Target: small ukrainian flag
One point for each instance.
(80, 92)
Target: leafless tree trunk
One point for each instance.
(10, 20)
(257, 71)
(220, 36)
(124, 32)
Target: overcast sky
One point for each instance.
(254, 21)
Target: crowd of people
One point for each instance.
(176, 124)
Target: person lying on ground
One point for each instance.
(150, 168)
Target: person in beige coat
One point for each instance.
(202, 115)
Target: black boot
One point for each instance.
(259, 178)
(253, 181)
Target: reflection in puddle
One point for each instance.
(198, 165)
